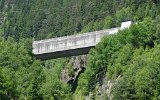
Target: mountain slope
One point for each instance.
(126, 63)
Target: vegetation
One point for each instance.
(129, 58)
(130, 54)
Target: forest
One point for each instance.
(128, 62)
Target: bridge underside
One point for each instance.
(66, 53)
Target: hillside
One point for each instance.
(121, 66)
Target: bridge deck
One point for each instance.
(69, 45)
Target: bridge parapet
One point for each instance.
(70, 42)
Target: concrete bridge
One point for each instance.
(72, 45)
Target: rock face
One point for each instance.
(77, 66)
(103, 91)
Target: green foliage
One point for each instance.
(52, 86)
(127, 55)
(6, 86)
(19, 69)
(141, 79)
(70, 69)
(51, 18)
(132, 54)
(108, 22)
(124, 14)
